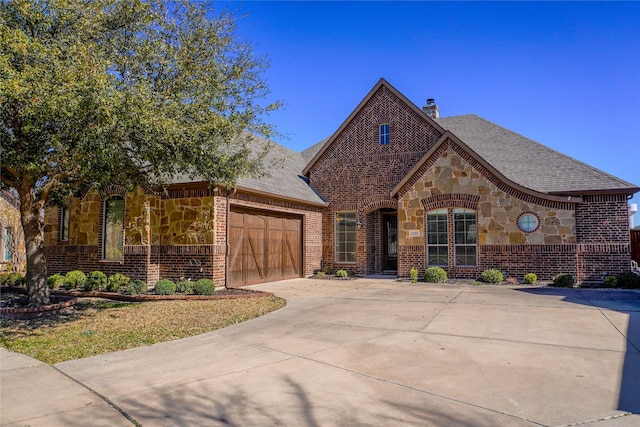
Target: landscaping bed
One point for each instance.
(96, 325)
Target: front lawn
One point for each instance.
(98, 326)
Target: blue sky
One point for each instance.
(566, 74)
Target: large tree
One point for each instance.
(94, 92)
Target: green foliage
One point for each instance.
(134, 287)
(414, 275)
(3, 279)
(92, 90)
(628, 280)
(55, 280)
(15, 279)
(435, 275)
(342, 274)
(327, 269)
(492, 275)
(204, 287)
(184, 286)
(165, 287)
(610, 282)
(116, 281)
(96, 280)
(74, 279)
(530, 278)
(320, 274)
(564, 281)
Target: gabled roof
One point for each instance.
(323, 146)
(285, 179)
(282, 179)
(449, 136)
(529, 163)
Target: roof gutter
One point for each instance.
(628, 191)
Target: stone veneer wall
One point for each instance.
(181, 234)
(10, 218)
(448, 180)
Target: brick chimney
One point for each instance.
(431, 108)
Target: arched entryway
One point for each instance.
(382, 241)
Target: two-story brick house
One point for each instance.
(394, 187)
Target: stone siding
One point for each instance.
(177, 235)
(10, 218)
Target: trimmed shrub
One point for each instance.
(165, 287)
(96, 280)
(4, 277)
(530, 278)
(15, 279)
(342, 274)
(135, 287)
(74, 279)
(610, 282)
(628, 280)
(320, 274)
(414, 275)
(55, 280)
(564, 281)
(184, 286)
(435, 275)
(116, 281)
(492, 275)
(204, 287)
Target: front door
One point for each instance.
(390, 241)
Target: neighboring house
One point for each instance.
(394, 187)
(12, 252)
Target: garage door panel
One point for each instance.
(263, 247)
(274, 264)
(255, 256)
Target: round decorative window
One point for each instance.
(528, 222)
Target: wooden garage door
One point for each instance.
(263, 247)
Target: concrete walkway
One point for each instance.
(363, 352)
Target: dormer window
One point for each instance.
(384, 134)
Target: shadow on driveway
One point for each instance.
(623, 301)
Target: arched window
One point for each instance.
(113, 228)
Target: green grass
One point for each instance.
(98, 327)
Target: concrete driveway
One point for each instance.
(364, 352)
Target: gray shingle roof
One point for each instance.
(286, 178)
(310, 152)
(528, 162)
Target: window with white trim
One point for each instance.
(345, 237)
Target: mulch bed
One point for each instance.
(14, 302)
